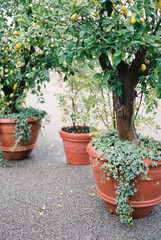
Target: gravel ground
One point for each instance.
(44, 198)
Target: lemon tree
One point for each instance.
(123, 36)
(24, 54)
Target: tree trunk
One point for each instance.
(7, 91)
(124, 108)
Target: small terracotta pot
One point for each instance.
(23, 150)
(75, 145)
(147, 196)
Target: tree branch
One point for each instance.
(157, 27)
(134, 70)
(103, 60)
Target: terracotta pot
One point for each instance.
(7, 128)
(147, 196)
(75, 145)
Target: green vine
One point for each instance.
(124, 164)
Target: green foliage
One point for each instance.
(124, 163)
(85, 100)
(102, 27)
(26, 53)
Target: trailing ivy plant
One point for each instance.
(22, 127)
(124, 164)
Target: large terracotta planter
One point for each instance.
(75, 145)
(7, 128)
(147, 196)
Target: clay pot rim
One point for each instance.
(96, 154)
(67, 135)
(8, 120)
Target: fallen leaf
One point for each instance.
(59, 205)
(41, 213)
(93, 194)
(71, 191)
(93, 186)
(42, 208)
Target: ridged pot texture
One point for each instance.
(23, 150)
(147, 196)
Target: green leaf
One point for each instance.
(130, 27)
(117, 59)
(91, 65)
(109, 28)
(62, 58)
(98, 76)
(119, 92)
(146, 99)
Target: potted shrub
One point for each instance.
(125, 38)
(24, 64)
(75, 106)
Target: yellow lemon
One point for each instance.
(18, 45)
(95, 2)
(27, 74)
(5, 52)
(34, 24)
(53, 33)
(7, 34)
(33, 68)
(158, 4)
(8, 103)
(142, 20)
(41, 52)
(15, 33)
(147, 61)
(15, 86)
(52, 45)
(143, 40)
(11, 95)
(124, 9)
(11, 73)
(74, 17)
(6, 70)
(100, 6)
(112, 14)
(47, 53)
(132, 20)
(143, 67)
(127, 14)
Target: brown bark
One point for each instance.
(124, 106)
